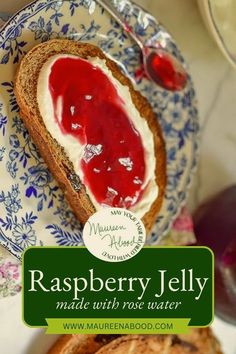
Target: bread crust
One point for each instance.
(53, 154)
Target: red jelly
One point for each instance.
(113, 163)
(166, 71)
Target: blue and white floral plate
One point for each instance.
(32, 207)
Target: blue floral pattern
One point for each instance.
(3, 121)
(32, 208)
(21, 229)
(2, 150)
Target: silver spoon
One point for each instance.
(159, 65)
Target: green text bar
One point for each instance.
(117, 326)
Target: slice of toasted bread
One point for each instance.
(198, 341)
(53, 154)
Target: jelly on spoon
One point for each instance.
(159, 65)
(164, 70)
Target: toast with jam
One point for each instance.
(98, 135)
